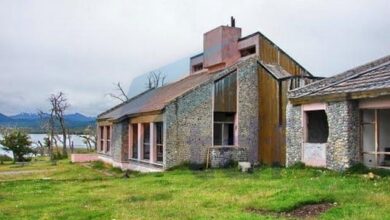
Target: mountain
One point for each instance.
(79, 117)
(32, 122)
(25, 116)
(4, 118)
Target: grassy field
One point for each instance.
(72, 191)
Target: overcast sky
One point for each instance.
(82, 47)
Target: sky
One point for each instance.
(83, 47)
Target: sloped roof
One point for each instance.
(155, 99)
(369, 77)
(276, 70)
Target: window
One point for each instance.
(223, 129)
(317, 127)
(375, 126)
(146, 141)
(159, 141)
(248, 51)
(108, 140)
(135, 141)
(101, 128)
(197, 67)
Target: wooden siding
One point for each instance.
(272, 109)
(273, 102)
(225, 94)
(270, 53)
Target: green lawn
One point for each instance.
(72, 191)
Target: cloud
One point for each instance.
(83, 47)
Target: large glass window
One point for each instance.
(135, 141)
(146, 141)
(375, 125)
(159, 141)
(223, 129)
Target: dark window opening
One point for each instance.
(135, 141)
(101, 138)
(317, 127)
(197, 67)
(108, 138)
(223, 129)
(146, 141)
(159, 141)
(248, 51)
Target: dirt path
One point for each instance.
(21, 172)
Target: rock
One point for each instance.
(244, 166)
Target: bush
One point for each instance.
(358, 168)
(98, 165)
(4, 158)
(298, 165)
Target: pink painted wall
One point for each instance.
(82, 158)
(220, 46)
(377, 103)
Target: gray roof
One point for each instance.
(155, 99)
(371, 76)
(276, 70)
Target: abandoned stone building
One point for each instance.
(231, 107)
(342, 120)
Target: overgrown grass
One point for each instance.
(72, 191)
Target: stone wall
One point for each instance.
(189, 119)
(189, 127)
(248, 108)
(342, 149)
(343, 141)
(119, 141)
(224, 156)
(294, 134)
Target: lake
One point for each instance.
(77, 141)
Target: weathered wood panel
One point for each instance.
(225, 94)
(270, 53)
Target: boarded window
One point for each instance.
(135, 141)
(146, 141)
(225, 94)
(317, 127)
(159, 141)
(223, 129)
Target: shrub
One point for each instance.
(298, 165)
(358, 168)
(18, 142)
(98, 165)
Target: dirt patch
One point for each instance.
(308, 211)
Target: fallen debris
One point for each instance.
(302, 212)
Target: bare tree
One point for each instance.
(121, 96)
(48, 125)
(155, 79)
(89, 137)
(59, 104)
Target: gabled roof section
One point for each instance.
(276, 71)
(155, 99)
(372, 76)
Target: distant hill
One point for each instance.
(32, 122)
(4, 118)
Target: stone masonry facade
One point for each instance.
(342, 148)
(189, 121)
